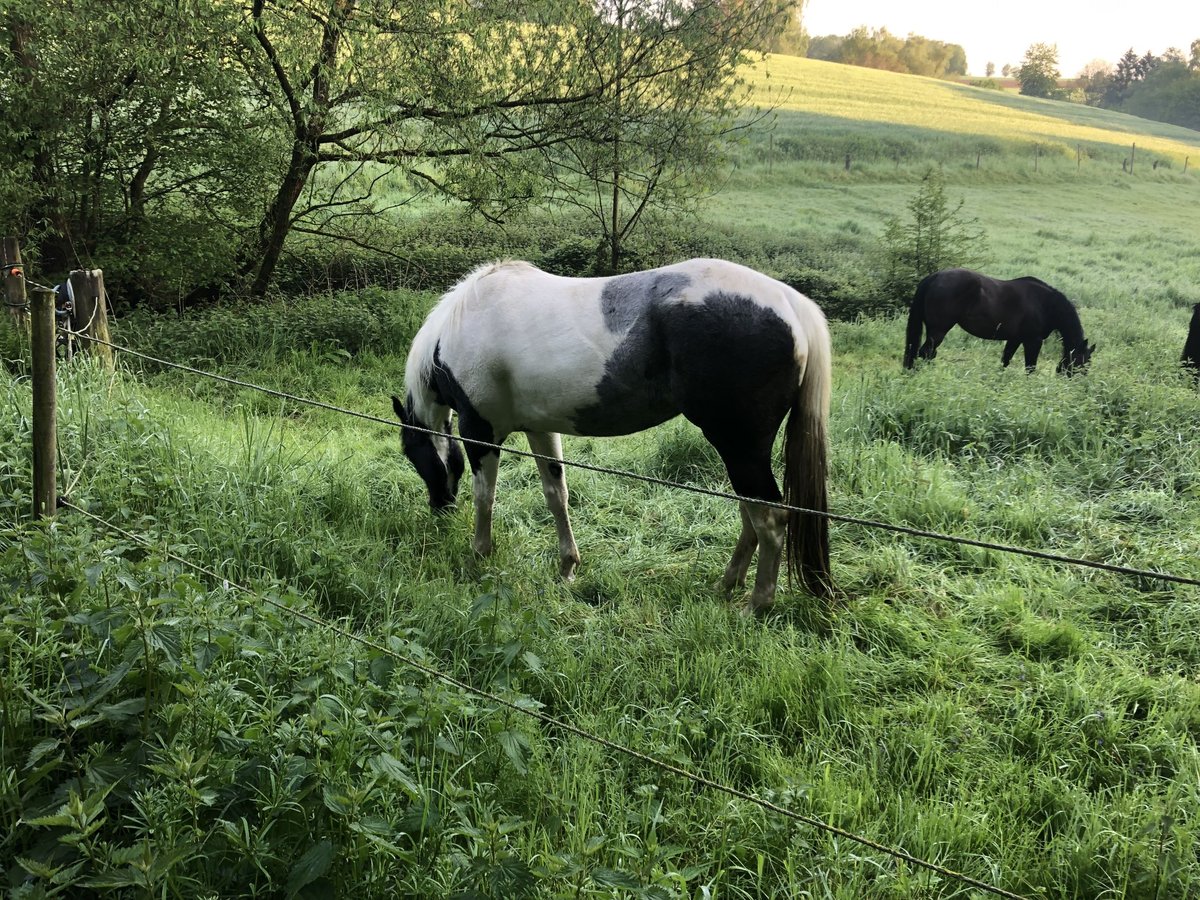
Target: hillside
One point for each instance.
(885, 106)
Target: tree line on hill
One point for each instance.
(877, 48)
(1165, 88)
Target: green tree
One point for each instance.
(235, 127)
(115, 130)
(936, 235)
(671, 102)
(788, 36)
(1038, 73)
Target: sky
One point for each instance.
(1001, 32)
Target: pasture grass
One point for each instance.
(1031, 724)
(1028, 723)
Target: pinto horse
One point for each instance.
(513, 348)
(1021, 311)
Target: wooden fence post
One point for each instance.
(14, 287)
(45, 428)
(91, 312)
(1132, 154)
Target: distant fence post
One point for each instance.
(1185, 162)
(14, 287)
(91, 312)
(1037, 154)
(1132, 154)
(45, 428)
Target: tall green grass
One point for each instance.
(1028, 723)
(1032, 724)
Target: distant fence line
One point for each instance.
(849, 153)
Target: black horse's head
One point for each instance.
(438, 460)
(1076, 359)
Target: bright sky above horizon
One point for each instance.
(1002, 32)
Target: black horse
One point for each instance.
(1191, 347)
(1021, 311)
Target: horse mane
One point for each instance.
(445, 318)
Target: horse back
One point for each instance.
(605, 356)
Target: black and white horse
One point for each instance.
(513, 348)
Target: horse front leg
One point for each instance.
(1010, 350)
(1032, 349)
(554, 488)
(485, 465)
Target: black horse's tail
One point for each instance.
(806, 467)
(916, 324)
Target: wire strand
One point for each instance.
(554, 722)
(695, 489)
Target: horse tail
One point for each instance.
(916, 323)
(806, 468)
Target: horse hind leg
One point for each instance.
(770, 525)
(554, 488)
(933, 340)
(750, 473)
(734, 578)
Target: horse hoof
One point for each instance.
(566, 570)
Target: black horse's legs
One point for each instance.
(1032, 349)
(1010, 350)
(932, 340)
(735, 573)
(554, 487)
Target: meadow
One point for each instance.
(1030, 724)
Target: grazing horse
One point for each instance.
(1021, 311)
(1191, 347)
(513, 348)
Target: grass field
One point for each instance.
(1033, 725)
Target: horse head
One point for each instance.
(438, 460)
(1076, 359)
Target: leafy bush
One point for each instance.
(347, 322)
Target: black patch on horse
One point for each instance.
(627, 297)
(471, 424)
(719, 381)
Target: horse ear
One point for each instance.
(1091, 349)
(398, 406)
